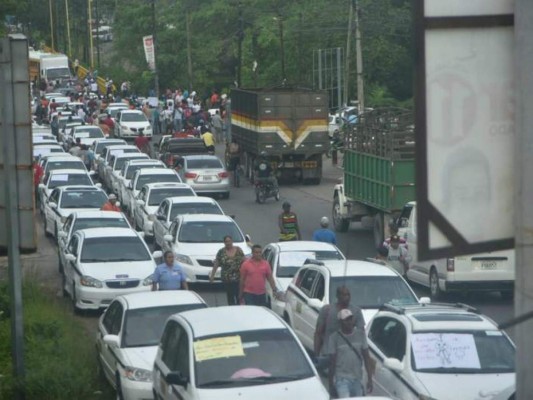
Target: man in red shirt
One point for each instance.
(143, 143)
(38, 173)
(111, 204)
(255, 272)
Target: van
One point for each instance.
(491, 271)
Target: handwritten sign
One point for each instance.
(59, 178)
(209, 349)
(445, 350)
(294, 258)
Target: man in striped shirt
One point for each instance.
(288, 224)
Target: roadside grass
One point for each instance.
(60, 356)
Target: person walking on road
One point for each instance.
(169, 275)
(288, 224)
(398, 255)
(111, 204)
(209, 141)
(255, 272)
(348, 351)
(218, 124)
(229, 258)
(327, 321)
(143, 143)
(324, 234)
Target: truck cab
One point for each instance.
(491, 271)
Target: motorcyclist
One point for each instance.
(264, 173)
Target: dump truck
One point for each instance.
(379, 171)
(48, 66)
(289, 124)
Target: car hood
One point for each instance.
(140, 357)
(205, 250)
(136, 124)
(65, 212)
(465, 386)
(309, 389)
(117, 270)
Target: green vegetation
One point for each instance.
(60, 356)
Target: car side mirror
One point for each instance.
(112, 340)
(315, 303)
(62, 234)
(167, 238)
(70, 257)
(98, 185)
(130, 186)
(140, 202)
(41, 186)
(393, 364)
(92, 173)
(52, 205)
(424, 300)
(157, 254)
(177, 378)
(232, 216)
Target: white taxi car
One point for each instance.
(196, 238)
(128, 170)
(286, 258)
(129, 123)
(102, 263)
(128, 334)
(115, 165)
(315, 285)
(110, 151)
(249, 353)
(439, 351)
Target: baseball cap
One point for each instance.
(345, 313)
(324, 220)
(112, 197)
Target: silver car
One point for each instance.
(205, 174)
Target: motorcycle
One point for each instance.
(264, 190)
(336, 143)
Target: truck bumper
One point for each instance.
(471, 286)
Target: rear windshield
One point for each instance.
(69, 180)
(158, 195)
(144, 179)
(202, 163)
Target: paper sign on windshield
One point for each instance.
(59, 178)
(295, 258)
(209, 349)
(445, 350)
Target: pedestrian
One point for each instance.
(348, 351)
(255, 272)
(156, 123)
(178, 118)
(398, 255)
(217, 123)
(75, 150)
(169, 275)
(38, 173)
(54, 126)
(394, 231)
(143, 143)
(327, 321)
(288, 224)
(111, 204)
(90, 158)
(229, 258)
(324, 234)
(209, 141)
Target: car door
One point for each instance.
(418, 271)
(137, 211)
(181, 362)
(159, 230)
(63, 237)
(166, 359)
(268, 255)
(303, 291)
(173, 231)
(310, 312)
(69, 267)
(388, 339)
(110, 325)
(49, 212)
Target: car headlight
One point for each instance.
(183, 259)
(138, 374)
(148, 281)
(90, 282)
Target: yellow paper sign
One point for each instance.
(209, 349)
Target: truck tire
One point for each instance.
(340, 224)
(378, 230)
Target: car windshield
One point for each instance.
(64, 121)
(53, 165)
(115, 249)
(86, 223)
(83, 199)
(69, 180)
(133, 117)
(121, 161)
(132, 168)
(204, 163)
(250, 358)
(373, 291)
(114, 111)
(144, 326)
(208, 232)
(56, 73)
(89, 132)
(291, 261)
(194, 208)
(144, 179)
(474, 352)
(158, 195)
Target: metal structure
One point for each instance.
(328, 74)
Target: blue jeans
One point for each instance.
(254, 299)
(347, 387)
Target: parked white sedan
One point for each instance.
(130, 122)
(102, 263)
(114, 167)
(128, 170)
(128, 336)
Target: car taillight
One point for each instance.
(190, 175)
(450, 264)
(223, 174)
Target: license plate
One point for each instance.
(489, 265)
(207, 178)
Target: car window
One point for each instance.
(319, 289)
(389, 335)
(169, 343)
(307, 281)
(73, 246)
(54, 197)
(174, 230)
(68, 223)
(182, 362)
(110, 317)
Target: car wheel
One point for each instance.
(261, 196)
(434, 288)
(46, 233)
(340, 224)
(75, 308)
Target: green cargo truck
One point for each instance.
(379, 171)
(289, 124)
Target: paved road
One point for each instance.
(260, 222)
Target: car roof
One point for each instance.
(341, 268)
(230, 319)
(155, 171)
(441, 316)
(167, 185)
(108, 232)
(98, 214)
(304, 245)
(161, 298)
(205, 217)
(191, 199)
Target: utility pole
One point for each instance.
(254, 50)
(89, 24)
(359, 55)
(282, 46)
(156, 74)
(68, 30)
(523, 30)
(189, 55)
(348, 54)
(97, 33)
(240, 38)
(51, 24)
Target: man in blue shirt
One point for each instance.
(169, 275)
(324, 234)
